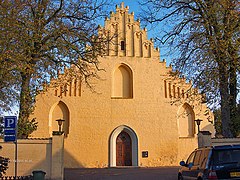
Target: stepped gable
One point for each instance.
(126, 37)
(177, 87)
(136, 97)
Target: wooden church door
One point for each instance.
(124, 150)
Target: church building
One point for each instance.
(137, 115)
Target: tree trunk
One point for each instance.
(224, 93)
(233, 95)
(25, 98)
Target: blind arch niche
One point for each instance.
(122, 82)
(186, 118)
(59, 111)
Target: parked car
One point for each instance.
(217, 162)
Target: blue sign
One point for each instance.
(9, 138)
(9, 131)
(10, 124)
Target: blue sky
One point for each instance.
(135, 7)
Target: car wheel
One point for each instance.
(180, 177)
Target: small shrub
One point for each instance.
(26, 128)
(3, 165)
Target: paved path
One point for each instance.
(163, 173)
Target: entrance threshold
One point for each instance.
(124, 167)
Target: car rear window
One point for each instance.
(226, 156)
(204, 158)
(197, 158)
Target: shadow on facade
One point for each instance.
(70, 161)
(46, 165)
(35, 155)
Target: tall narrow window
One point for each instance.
(65, 89)
(75, 87)
(70, 88)
(178, 91)
(56, 91)
(122, 83)
(122, 45)
(165, 88)
(169, 90)
(182, 93)
(174, 91)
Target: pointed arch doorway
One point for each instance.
(123, 147)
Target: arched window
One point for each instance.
(186, 121)
(122, 84)
(122, 45)
(59, 111)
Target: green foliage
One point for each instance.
(25, 128)
(235, 123)
(41, 38)
(8, 86)
(3, 165)
(204, 35)
(217, 121)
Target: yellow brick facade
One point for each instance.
(135, 94)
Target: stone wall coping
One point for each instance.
(205, 133)
(226, 140)
(190, 137)
(31, 141)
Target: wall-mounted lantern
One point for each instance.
(60, 123)
(198, 121)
